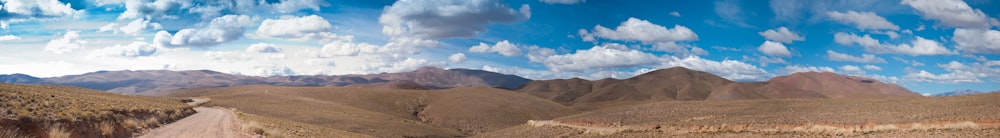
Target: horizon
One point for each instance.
(917, 44)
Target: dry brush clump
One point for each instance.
(50, 110)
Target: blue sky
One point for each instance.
(928, 46)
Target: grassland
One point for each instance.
(56, 111)
(386, 112)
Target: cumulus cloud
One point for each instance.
(503, 47)
(219, 30)
(801, 68)
(263, 48)
(862, 20)
(764, 60)
(172, 9)
(457, 58)
(135, 49)
(678, 49)
(957, 72)
(395, 47)
(873, 67)
(69, 42)
(851, 69)
(311, 27)
(275, 71)
(9, 37)
(911, 62)
(864, 58)
(538, 54)
(447, 18)
(135, 27)
(917, 47)
(781, 34)
(977, 41)
(24, 10)
(598, 57)
(954, 13)
(562, 1)
(774, 49)
(635, 29)
(729, 69)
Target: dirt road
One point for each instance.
(207, 123)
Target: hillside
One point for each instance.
(387, 112)
(160, 82)
(967, 116)
(51, 110)
(679, 83)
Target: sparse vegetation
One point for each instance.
(71, 111)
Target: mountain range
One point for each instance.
(963, 92)
(676, 83)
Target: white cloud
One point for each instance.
(263, 48)
(729, 69)
(219, 30)
(917, 47)
(799, 68)
(457, 58)
(311, 27)
(275, 71)
(675, 14)
(911, 62)
(24, 10)
(503, 47)
(598, 57)
(872, 67)
(562, 1)
(339, 48)
(69, 42)
(953, 77)
(635, 29)
(782, 35)
(851, 69)
(862, 20)
(954, 13)
(538, 54)
(173, 9)
(764, 60)
(774, 49)
(678, 49)
(864, 58)
(135, 27)
(135, 49)
(447, 18)
(977, 41)
(922, 47)
(9, 37)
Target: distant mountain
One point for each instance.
(18, 78)
(666, 84)
(158, 82)
(813, 85)
(959, 93)
(680, 83)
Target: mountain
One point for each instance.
(813, 85)
(159, 82)
(666, 84)
(18, 78)
(959, 93)
(680, 83)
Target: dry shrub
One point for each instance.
(152, 122)
(57, 131)
(132, 123)
(107, 128)
(11, 133)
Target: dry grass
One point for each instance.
(58, 131)
(283, 128)
(11, 133)
(386, 112)
(82, 112)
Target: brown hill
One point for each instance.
(963, 116)
(403, 84)
(813, 85)
(64, 111)
(680, 83)
(387, 112)
(667, 84)
(160, 82)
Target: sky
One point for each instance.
(927, 46)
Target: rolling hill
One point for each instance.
(680, 83)
(160, 82)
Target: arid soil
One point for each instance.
(208, 122)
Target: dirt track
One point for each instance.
(207, 123)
